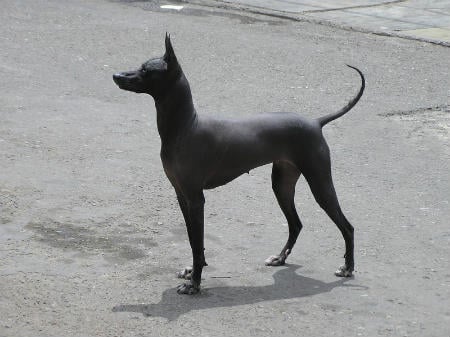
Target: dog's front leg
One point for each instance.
(193, 204)
(186, 273)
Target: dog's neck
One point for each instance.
(175, 111)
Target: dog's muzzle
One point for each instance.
(128, 81)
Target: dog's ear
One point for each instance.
(169, 56)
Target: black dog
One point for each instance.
(201, 153)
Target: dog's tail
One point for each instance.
(328, 118)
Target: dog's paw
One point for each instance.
(188, 288)
(186, 273)
(275, 260)
(343, 271)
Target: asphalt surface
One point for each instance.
(90, 231)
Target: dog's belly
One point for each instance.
(237, 163)
(217, 181)
(226, 174)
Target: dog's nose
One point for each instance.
(117, 76)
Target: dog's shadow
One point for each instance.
(288, 285)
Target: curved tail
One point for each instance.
(328, 118)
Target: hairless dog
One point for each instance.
(201, 153)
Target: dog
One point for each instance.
(201, 153)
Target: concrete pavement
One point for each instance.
(422, 20)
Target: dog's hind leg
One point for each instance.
(321, 184)
(284, 178)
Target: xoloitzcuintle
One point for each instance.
(202, 153)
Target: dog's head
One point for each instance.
(154, 77)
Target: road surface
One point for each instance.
(90, 231)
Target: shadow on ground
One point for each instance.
(288, 285)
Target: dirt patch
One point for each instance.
(8, 205)
(435, 120)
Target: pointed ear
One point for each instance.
(169, 56)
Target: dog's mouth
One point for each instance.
(127, 81)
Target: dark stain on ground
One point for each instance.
(69, 236)
(155, 6)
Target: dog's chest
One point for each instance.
(170, 165)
